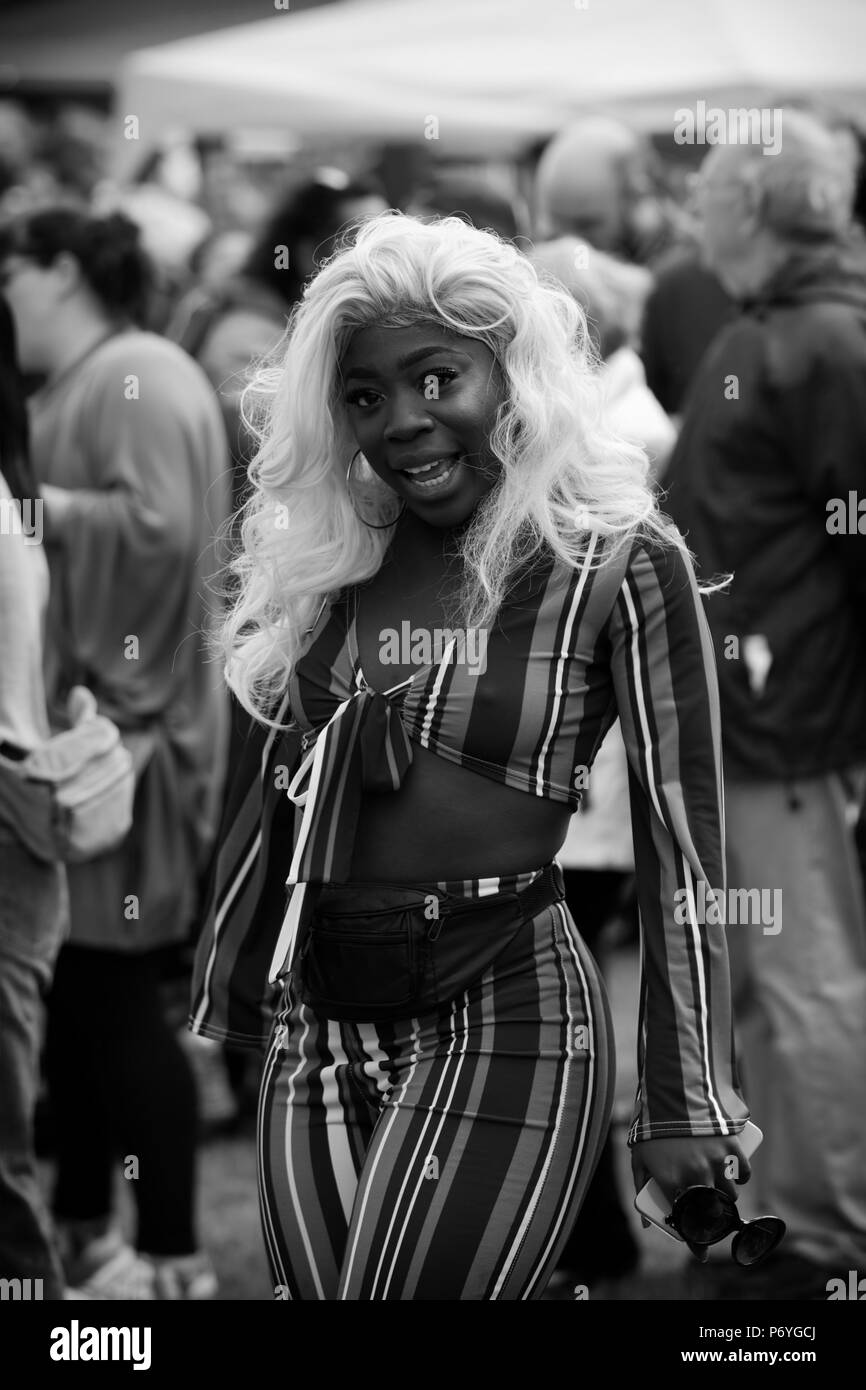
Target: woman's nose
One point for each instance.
(406, 416)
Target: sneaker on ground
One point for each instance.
(108, 1268)
(184, 1276)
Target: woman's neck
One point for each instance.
(420, 548)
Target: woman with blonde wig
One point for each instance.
(453, 579)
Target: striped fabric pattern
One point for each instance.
(232, 1000)
(363, 748)
(663, 671)
(571, 650)
(445, 1157)
(530, 720)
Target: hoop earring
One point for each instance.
(373, 525)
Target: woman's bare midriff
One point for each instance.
(449, 822)
(446, 821)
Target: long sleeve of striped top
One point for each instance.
(664, 678)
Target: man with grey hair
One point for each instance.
(774, 435)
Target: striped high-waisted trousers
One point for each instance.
(445, 1157)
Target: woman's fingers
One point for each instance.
(712, 1161)
(732, 1170)
(641, 1177)
(638, 1170)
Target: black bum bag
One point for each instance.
(376, 952)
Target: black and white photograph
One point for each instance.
(432, 670)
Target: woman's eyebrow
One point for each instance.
(409, 360)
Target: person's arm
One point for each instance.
(665, 682)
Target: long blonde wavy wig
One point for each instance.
(563, 473)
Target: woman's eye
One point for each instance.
(433, 379)
(431, 383)
(363, 398)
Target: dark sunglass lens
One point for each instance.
(704, 1215)
(757, 1239)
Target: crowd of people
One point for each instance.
(168, 493)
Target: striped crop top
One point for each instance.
(571, 650)
(526, 704)
(530, 704)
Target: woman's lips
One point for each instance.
(433, 478)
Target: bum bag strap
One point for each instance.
(545, 890)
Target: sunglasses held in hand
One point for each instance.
(703, 1216)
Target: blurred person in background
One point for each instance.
(474, 199)
(231, 189)
(26, 177)
(612, 295)
(18, 146)
(218, 257)
(52, 159)
(774, 431)
(227, 328)
(130, 454)
(685, 309)
(598, 179)
(17, 143)
(597, 856)
(33, 904)
(76, 145)
(689, 305)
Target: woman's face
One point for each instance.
(422, 402)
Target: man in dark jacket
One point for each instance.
(684, 311)
(773, 444)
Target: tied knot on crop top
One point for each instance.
(532, 719)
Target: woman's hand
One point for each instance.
(689, 1162)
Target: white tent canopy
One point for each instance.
(494, 74)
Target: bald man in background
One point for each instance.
(774, 434)
(600, 180)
